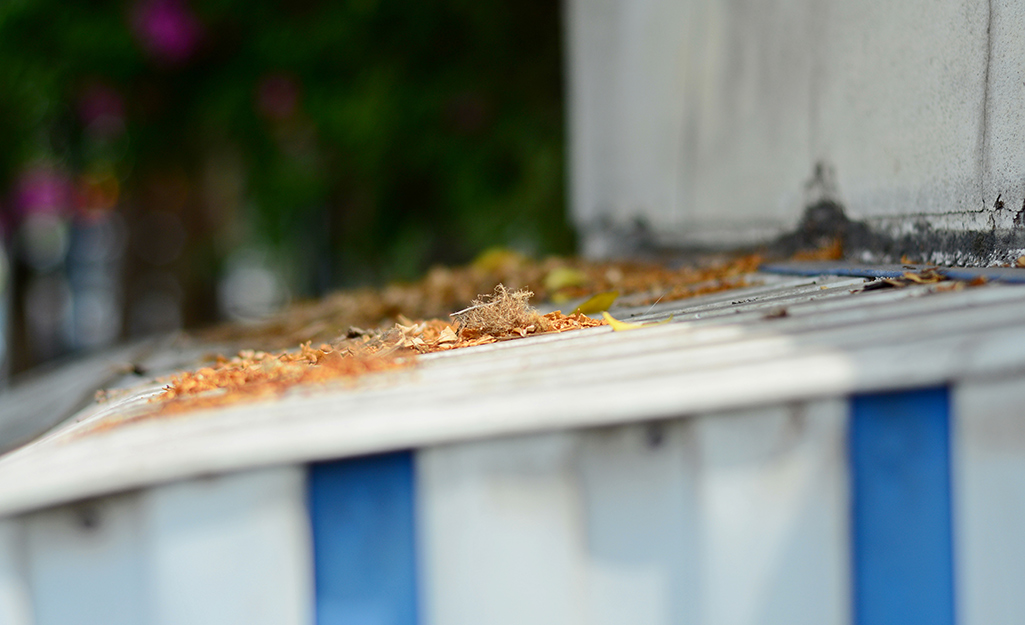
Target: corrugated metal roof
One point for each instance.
(790, 338)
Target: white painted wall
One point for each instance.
(708, 117)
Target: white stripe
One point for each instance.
(727, 518)
(501, 531)
(775, 516)
(15, 598)
(233, 549)
(989, 501)
(230, 549)
(87, 563)
(639, 485)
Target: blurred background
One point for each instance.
(172, 163)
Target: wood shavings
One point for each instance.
(255, 374)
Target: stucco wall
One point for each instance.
(707, 118)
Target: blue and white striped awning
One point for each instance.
(802, 451)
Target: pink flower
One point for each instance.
(167, 29)
(42, 189)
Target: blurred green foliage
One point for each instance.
(372, 137)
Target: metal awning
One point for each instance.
(787, 339)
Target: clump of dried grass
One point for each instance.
(501, 313)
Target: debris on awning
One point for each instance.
(444, 289)
(366, 331)
(252, 375)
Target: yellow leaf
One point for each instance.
(597, 303)
(496, 258)
(562, 277)
(622, 326)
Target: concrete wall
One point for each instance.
(707, 118)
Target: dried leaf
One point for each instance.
(622, 326)
(562, 277)
(597, 303)
(447, 336)
(495, 259)
(926, 276)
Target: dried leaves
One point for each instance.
(445, 289)
(348, 351)
(932, 275)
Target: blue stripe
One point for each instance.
(902, 554)
(841, 268)
(361, 511)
